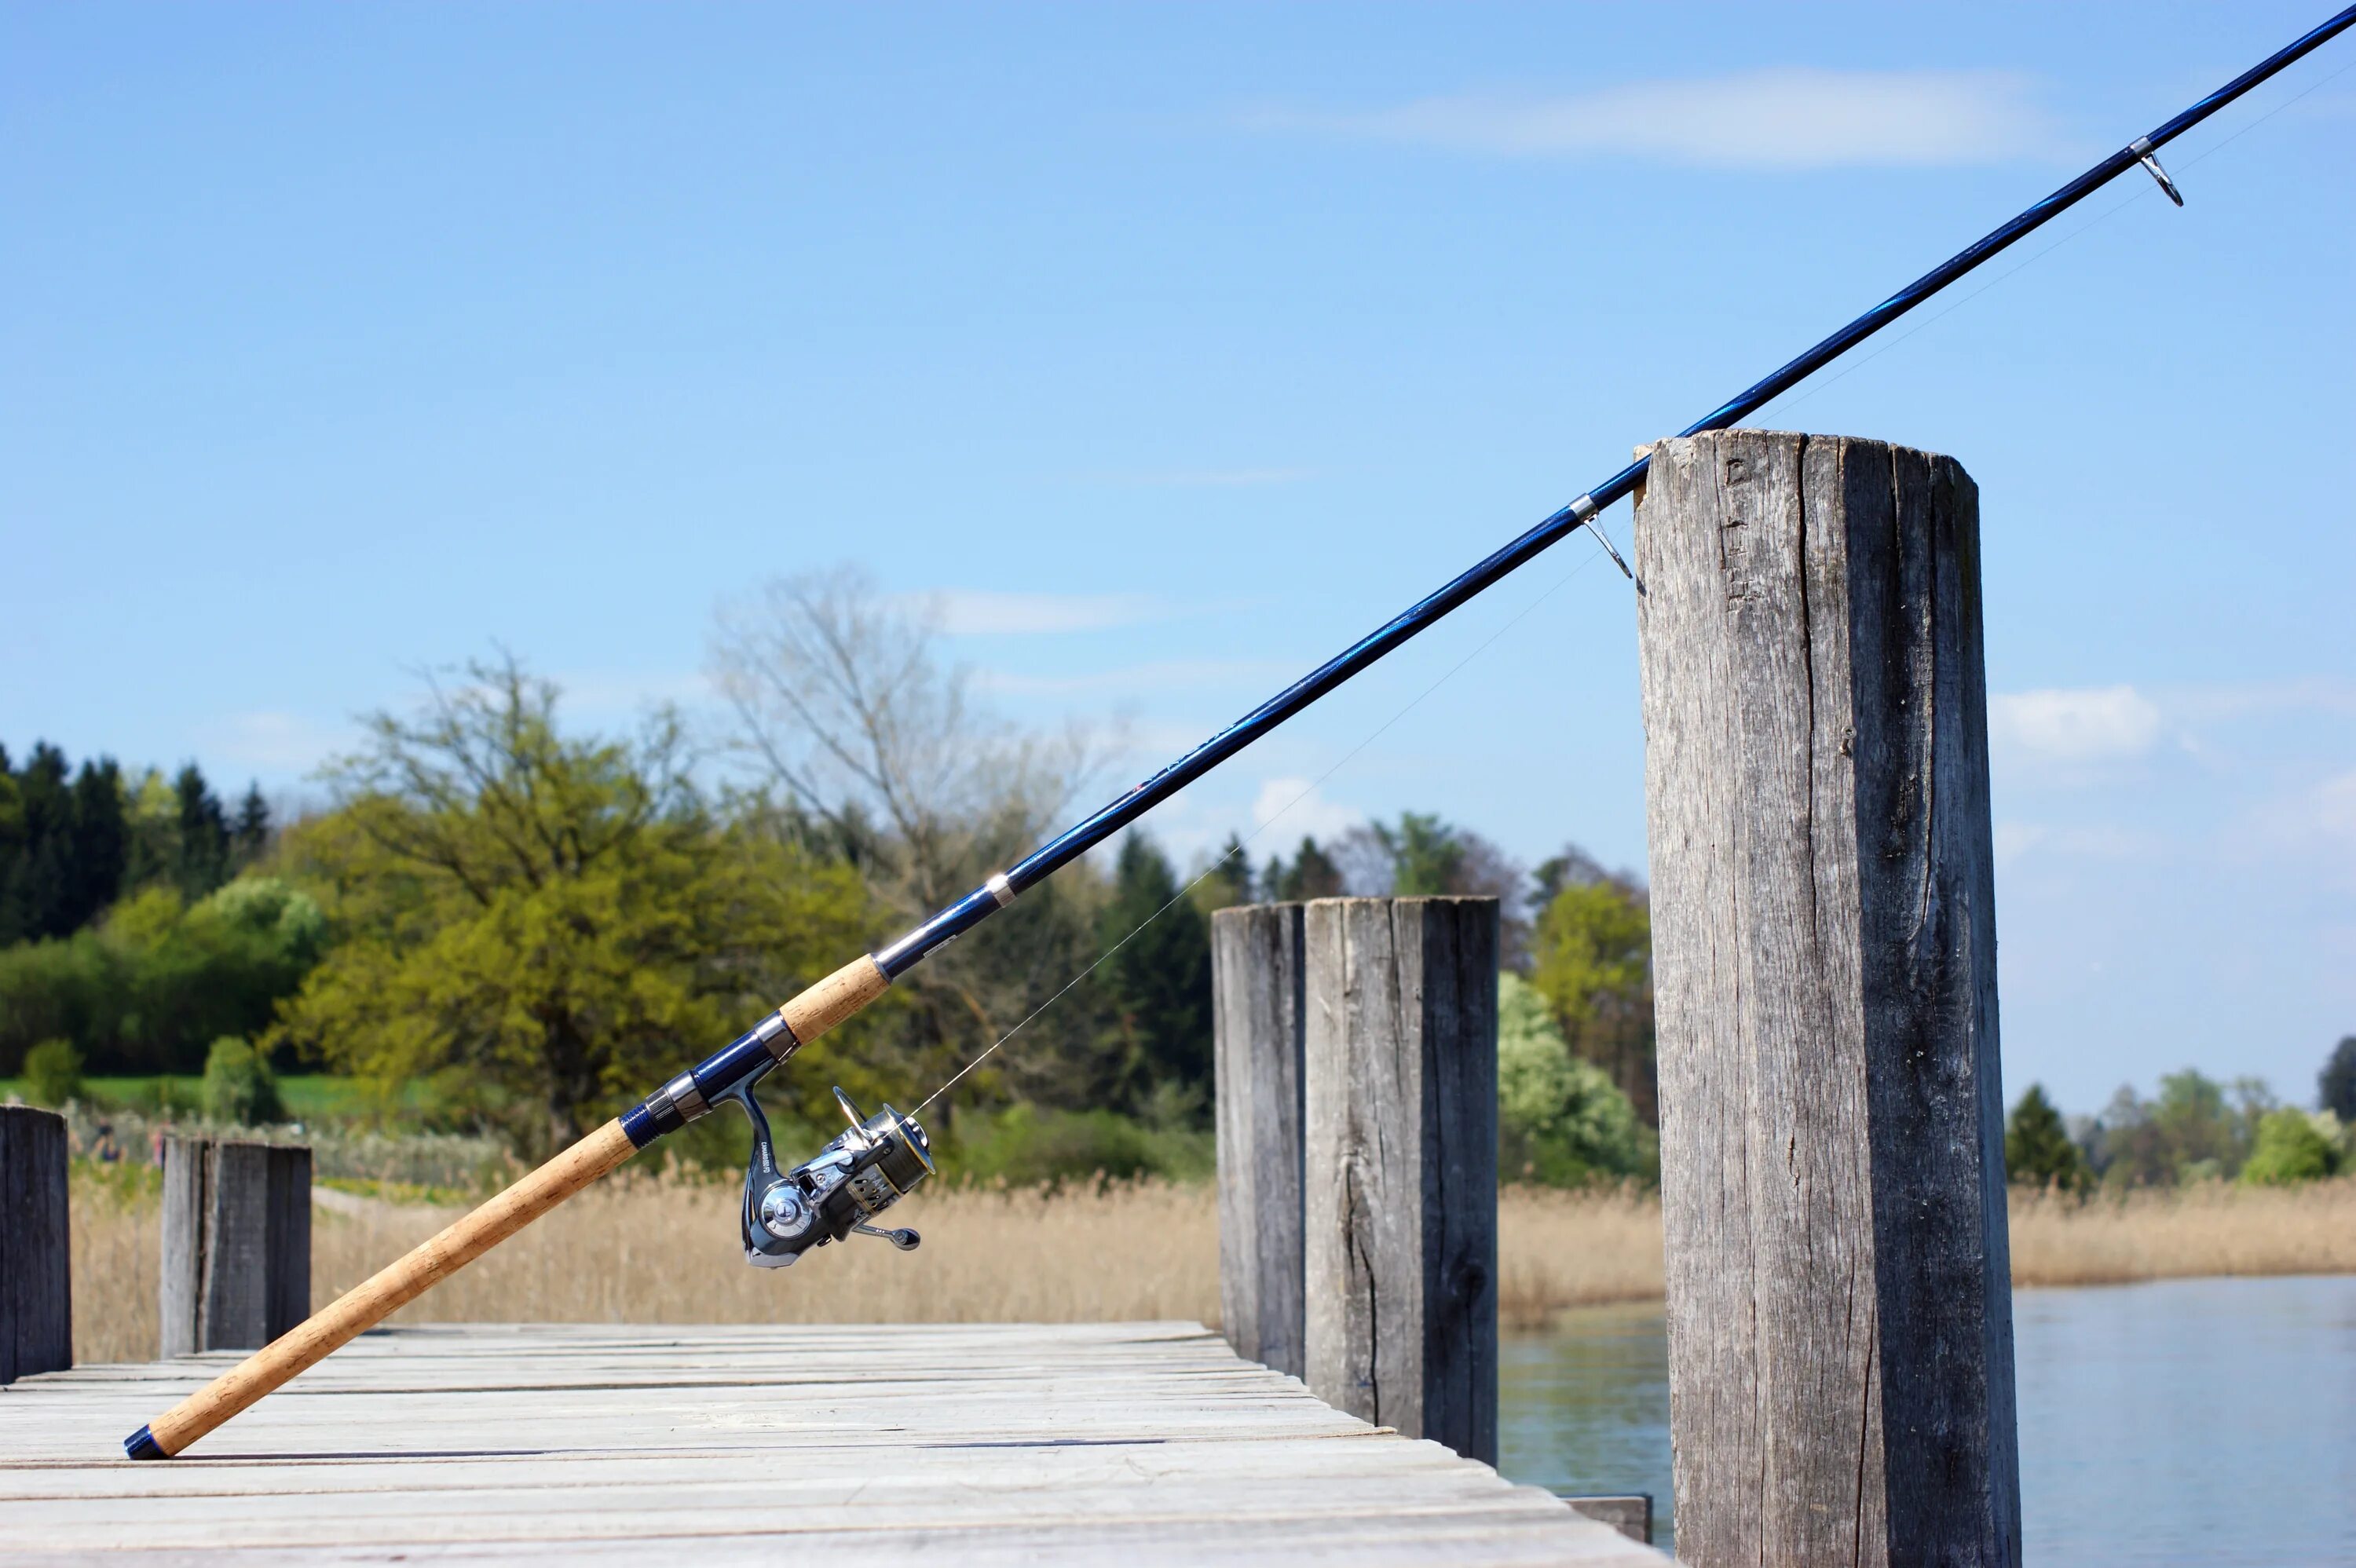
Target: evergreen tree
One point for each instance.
(204, 843)
(2335, 1086)
(2037, 1151)
(1311, 875)
(252, 835)
(36, 885)
(1159, 982)
(1427, 855)
(1228, 883)
(102, 841)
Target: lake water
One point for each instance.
(2186, 1422)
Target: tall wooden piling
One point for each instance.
(1256, 1013)
(35, 1283)
(1399, 1116)
(237, 1243)
(1840, 1327)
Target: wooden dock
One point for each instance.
(1022, 1444)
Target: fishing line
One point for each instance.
(1315, 785)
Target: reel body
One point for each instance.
(837, 1193)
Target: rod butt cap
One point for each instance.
(142, 1444)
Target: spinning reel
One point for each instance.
(877, 1161)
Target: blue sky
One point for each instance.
(1174, 348)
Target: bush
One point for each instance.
(239, 1085)
(145, 989)
(1026, 1146)
(2290, 1149)
(53, 1072)
(1560, 1120)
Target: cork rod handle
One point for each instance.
(374, 1299)
(360, 1308)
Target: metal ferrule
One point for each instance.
(685, 1097)
(778, 1037)
(1000, 888)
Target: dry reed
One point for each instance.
(653, 1250)
(2175, 1234)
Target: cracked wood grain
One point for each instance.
(1825, 964)
(1258, 1008)
(1399, 1116)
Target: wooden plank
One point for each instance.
(1632, 1515)
(1063, 1443)
(35, 1268)
(1256, 1032)
(1825, 957)
(1399, 1079)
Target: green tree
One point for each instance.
(203, 839)
(1559, 1120)
(543, 925)
(1311, 875)
(250, 836)
(152, 810)
(2290, 1149)
(1158, 980)
(102, 843)
(239, 1087)
(1427, 855)
(2335, 1086)
(37, 881)
(53, 1072)
(1227, 881)
(2037, 1151)
(1592, 962)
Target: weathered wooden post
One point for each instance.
(237, 1243)
(1400, 1118)
(35, 1281)
(1257, 1012)
(1823, 941)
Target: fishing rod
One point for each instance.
(880, 1158)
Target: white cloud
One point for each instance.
(968, 612)
(277, 741)
(2314, 828)
(1783, 118)
(1289, 806)
(2086, 724)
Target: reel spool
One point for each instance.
(837, 1193)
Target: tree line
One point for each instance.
(74, 843)
(514, 924)
(2195, 1129)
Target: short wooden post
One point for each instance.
(1824, 942)
(35, 1281)
(1399, 1116)
(1256, 1024)
(237, 1243)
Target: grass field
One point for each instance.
(654, 1251)
(308, 1096)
